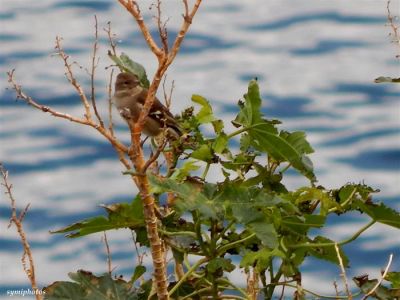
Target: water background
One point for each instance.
(315, 62)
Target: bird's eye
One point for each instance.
(126, 82)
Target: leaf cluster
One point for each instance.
(250, 215)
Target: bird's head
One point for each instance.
(126, 81)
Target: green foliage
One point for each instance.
(382, 292)
(251, 213)
(120, 215)
(384, 79)
(126, 64)
(86, 286)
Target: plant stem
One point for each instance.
(356, 235)
(243, 129)
(197, 228)
(333, 209)
(178, 233)
(285, 168)
(226, 247)
(206, 289)
(213, 254)
(273, 284)
(227, 227)
(242, 291)
(187, 274)
(205, 171)
(315, 294)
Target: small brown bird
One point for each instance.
(129, 98)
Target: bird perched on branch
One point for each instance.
(129, 98)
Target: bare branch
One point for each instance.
(21, 95)
(28, 266)
(113, 45)
(71, 78)
(109, 89)
(187, 21)
(168, 98)
(92, 73)
(108, 253)
(394, 34)
(162, 30)
(343, 273)
(134, 10)
(154, 157)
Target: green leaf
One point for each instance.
(366, 285)
(382, 79)
(302, 224)
(260, 259)
(265, 231)
(220, 143)
(307, 194)
(139, 271)
(298, 140)
(205, 115)
(283, 148)
(328, 253)
(380, 213)
(250, 112)
(245, 142)
(220, 263)
(184, 171)
(87, 286)
(128, 65)
(203, 153)
(241, 162)
(218, 126)
(263, 136)
(188, 197)
(120, 215)
(394, 278)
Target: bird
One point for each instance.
(129, 98)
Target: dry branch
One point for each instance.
(165, 57)
(29, 266)
(391, 21)
(108, 252)
(343, 272)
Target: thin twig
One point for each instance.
(108, 253)
(335, 285)
(154, 157)
(113, 45)
(139, 256)
(29, 268)
(162, 30)
(93, 70)
(29, 100)
(71, 78)
(380, 279)
(109, 89)
(343, 272)
(168, 98)
(134, 10)
(395, 34)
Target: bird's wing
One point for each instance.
(159, 112)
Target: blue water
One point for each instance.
(315, 62)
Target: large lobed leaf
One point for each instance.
(283, 146)
(86, 286)
(120, 215)
(380, 213)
